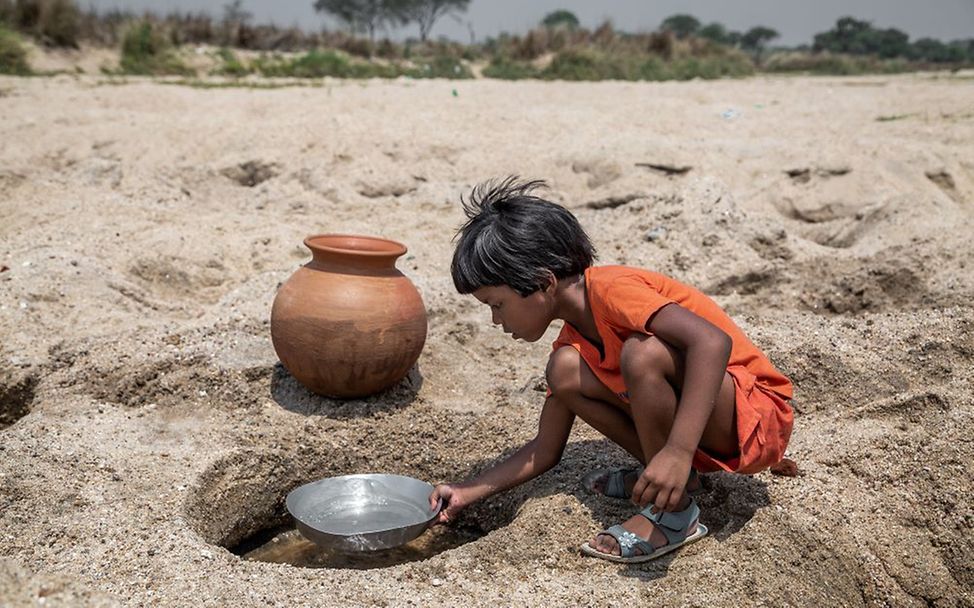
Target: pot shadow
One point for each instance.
(294, 397)
(728, 501)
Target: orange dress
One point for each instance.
(624, 299)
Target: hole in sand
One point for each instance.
(285, 545)
(16, 395)
(239, 505)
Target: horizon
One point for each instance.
(797, 23)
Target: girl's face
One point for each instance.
(525, 318)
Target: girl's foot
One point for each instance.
(648, 534)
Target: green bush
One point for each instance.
(586, 64)
(231, 65)
(318, 64)
(509, 69)
(591, 64)
(13, 57)
(145, 51)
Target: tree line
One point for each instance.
(62, 23)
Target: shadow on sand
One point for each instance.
(294, 397)
(727, 502)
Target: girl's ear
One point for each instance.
(551, 282)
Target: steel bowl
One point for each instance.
(362, 512)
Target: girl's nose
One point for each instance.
(495, 318)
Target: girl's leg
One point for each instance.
(571, 380)
(654, 376)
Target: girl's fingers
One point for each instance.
(662, 500)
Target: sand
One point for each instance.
(147, 429)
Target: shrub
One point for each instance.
(231, 65)
(836, 64)
(145, 51)
(54, 22)
(13, 57)
(60, 22)
(586, 64)
(318, 64)
(508, 69)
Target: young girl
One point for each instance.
(652, 364)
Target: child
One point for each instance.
(652, 364)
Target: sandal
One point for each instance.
(674, 525)
(615, 482)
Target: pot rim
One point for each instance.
(327, 242)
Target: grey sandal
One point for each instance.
(673, 525)
(615, 482)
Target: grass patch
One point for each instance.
(828, 64)
(231, 66)
(13, 55)
(318, 64)
(593, 65)
(237, 84)
(505, 68)
(893, 117)
(146, 52)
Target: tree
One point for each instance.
(756, 37)
(861, 38)
(235, 21)
(681, 25)
(561, 18)
(362, 15)
(937, 52)
(713, 31)
(426, 12)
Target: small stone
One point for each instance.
(655, 234)
(437, 582)
(206, 554)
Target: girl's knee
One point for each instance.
(646, 357)
(563, 371)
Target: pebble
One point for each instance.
(437, 582)
(655, 234)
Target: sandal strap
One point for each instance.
(615, 483)
(629, 542)
(673, 524)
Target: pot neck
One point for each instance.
(354, 254)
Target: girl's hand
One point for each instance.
(663, 480)
(453, 502)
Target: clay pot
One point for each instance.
(348, 323)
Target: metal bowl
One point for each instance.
(362, 512)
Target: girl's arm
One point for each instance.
(534, 458)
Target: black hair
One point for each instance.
(514, 238)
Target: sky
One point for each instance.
(796, 20)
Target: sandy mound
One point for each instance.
(148, 435)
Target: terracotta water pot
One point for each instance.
(348, 323)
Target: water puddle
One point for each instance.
(285, 545)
